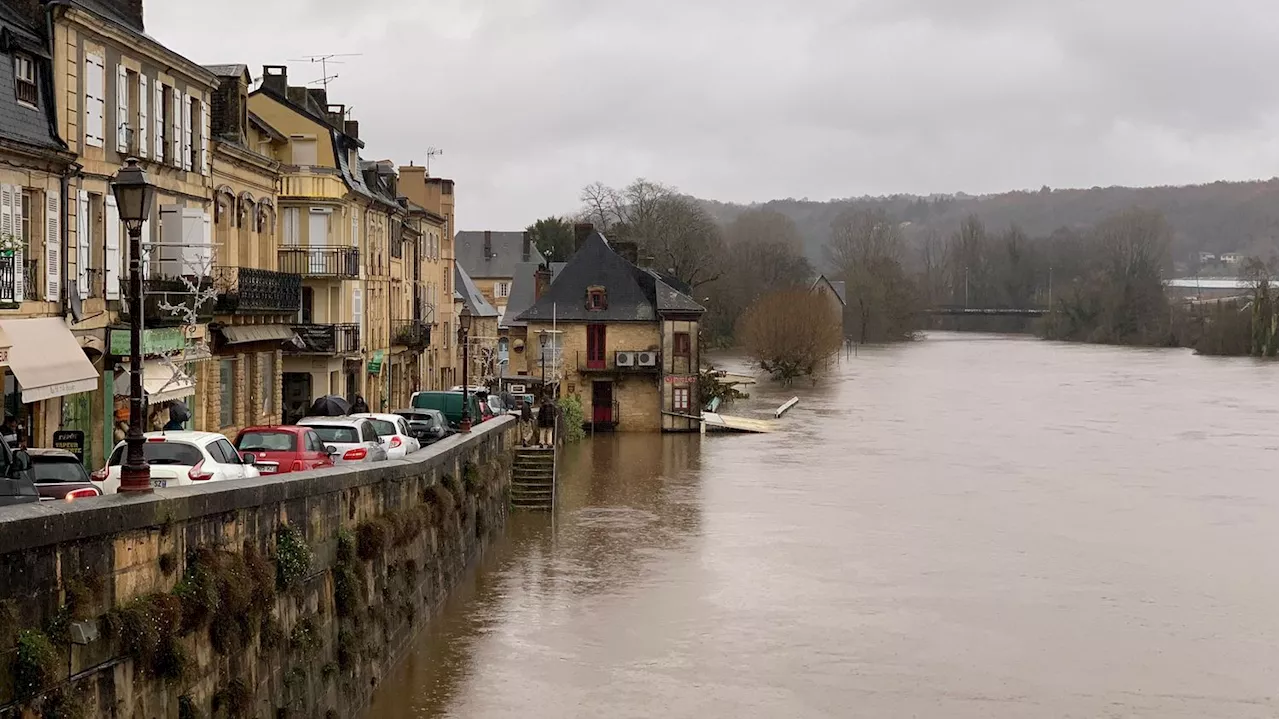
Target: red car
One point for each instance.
(283, 448)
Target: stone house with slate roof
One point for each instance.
(482, 338)
(490, 259)
(628, 338)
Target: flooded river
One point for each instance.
(966, 526)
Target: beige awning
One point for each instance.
(241, 334)
(160, 382)
(47, 359)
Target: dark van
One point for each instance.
(450, 404)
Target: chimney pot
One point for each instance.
(541, 281)
(275, 78)
(488, 244)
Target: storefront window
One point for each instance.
(266, 373)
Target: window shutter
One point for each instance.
(143, 147)
(8, 232)
(176, 142)
(357, 310)
(169, 259)
(82, 244)
(148, 245)
(186, 131)
(122, 110)
(355, 227)
(113, 249)
(89, 115)
(206, 239)
(204, 139)
(52, 246)
(158, 112)
(291, 226)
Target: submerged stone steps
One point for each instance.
(533, 478)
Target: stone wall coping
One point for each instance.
(28, 526)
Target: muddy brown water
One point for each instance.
(966, 526)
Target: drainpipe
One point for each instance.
(73, 169)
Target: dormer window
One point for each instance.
(24, 80)
(596, 298)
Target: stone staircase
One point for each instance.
(533, 480)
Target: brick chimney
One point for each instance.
(628, 250)
(541, 281)
(524, 246)
(227, 109)
(488, 244)
(352, 129)
(581, 231)
(275, 79)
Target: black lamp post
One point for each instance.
(464, 328)
(134, 195)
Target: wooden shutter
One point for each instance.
(113, 249)
(19, 252)
(355, 227)
(168, 251)
(82, 244)
(158, 112)
(122, 110)
(186, 131)
(291, 226)
(94, 83)
(357, 309)
(204, 138)
(143, 148)
(175, 144)
(52, 246)
(206, 239)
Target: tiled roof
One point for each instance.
(520, 299)
(507, 250)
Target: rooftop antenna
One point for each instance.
(432, 151)
(325, 61)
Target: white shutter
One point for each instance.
(19, 259)
(158, 111)
(113, 249)
(93, 84)
(355, 227)
(290, 226)
(9, 233)
(143, 148)
(204, 138)
(53, 246)
(168, 252)
(357, 310)
(206, 239)
(186, 132)
(122, 110)
(175, 143)
(82, 244)
(196, 251)
(147, 248)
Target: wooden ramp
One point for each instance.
(728, 423)
(533, 478)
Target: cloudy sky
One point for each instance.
(743, 100)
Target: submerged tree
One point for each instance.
(791, 333)
(865, 251)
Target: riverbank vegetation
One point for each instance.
(791, 333)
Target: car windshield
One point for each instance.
(59, 470)
(383, 427)
(267, 442)
(178, 453)
(335, 433)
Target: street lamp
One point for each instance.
(134, 195)
(464, 328)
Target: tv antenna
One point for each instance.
(432, 151)
(325, 61)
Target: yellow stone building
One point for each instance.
(435, 195)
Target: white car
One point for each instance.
(353, 439)
(395, 430)
(178, 459)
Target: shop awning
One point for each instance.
(47, 359)
(256, 333)
(160, 382)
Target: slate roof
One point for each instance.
(508, 249)
(633, 294)
(470, 294)
(836, 287)
(18, 122)
(228, 70)
(523, 285)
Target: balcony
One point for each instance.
(246, 290)
(334, 262)
(31, 287)
(413, 334)
(172, 301)
(621, 361)
(316, 183)
(338, 339)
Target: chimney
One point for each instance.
(541, 281)
(488, 244)
(337, 115)
(628, 250)
(415, 185)
(524, 249)
(581, 231)
(352, 129)
(275, 79)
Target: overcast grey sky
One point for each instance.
(742, 100)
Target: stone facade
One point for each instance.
(253, 407)
(284, 596)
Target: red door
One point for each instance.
(602, 402)
(595, 346)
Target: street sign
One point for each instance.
(516, 389)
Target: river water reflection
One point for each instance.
(966, 526)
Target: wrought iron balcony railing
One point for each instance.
(335, 339)
(340, 262)
(172, 301)
(413, 334)
(253, 291)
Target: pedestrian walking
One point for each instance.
(546, 422)
(526, 422)
(359, 406)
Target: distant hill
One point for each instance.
(1218, 217)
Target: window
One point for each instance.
(292, 234)
(24, 79)
(680, 399)
(303, 150)
(266, 441)
(313, 442)
(132, 106)
(680, 344)
(367, 432)
(166, 124)
(24, 226)
(502, 289)
(266, 380)
(227, 371)
(384, 428)
(194, 129)
(172, 453)
(596, 298)
(338, 434)
(222, 451)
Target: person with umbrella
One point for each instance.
(329, 405)
(178, 415)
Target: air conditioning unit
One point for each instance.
(647, 359)
(625, 359)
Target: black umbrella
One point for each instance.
(178, 412)
(330, 405)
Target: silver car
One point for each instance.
(349, 440)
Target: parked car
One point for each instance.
(16, 486)
(179, 459)
(283, 448)
(59, 474)
(426, 425)
(353, 439)
(450, 404)
(395, 430)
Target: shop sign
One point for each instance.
(375, 362)
(680, 379)
(71, 440)
(157, 341)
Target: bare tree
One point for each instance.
(791, 333)
(865, 251)
(763, 253)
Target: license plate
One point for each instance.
(159, 483)
(266, 470)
